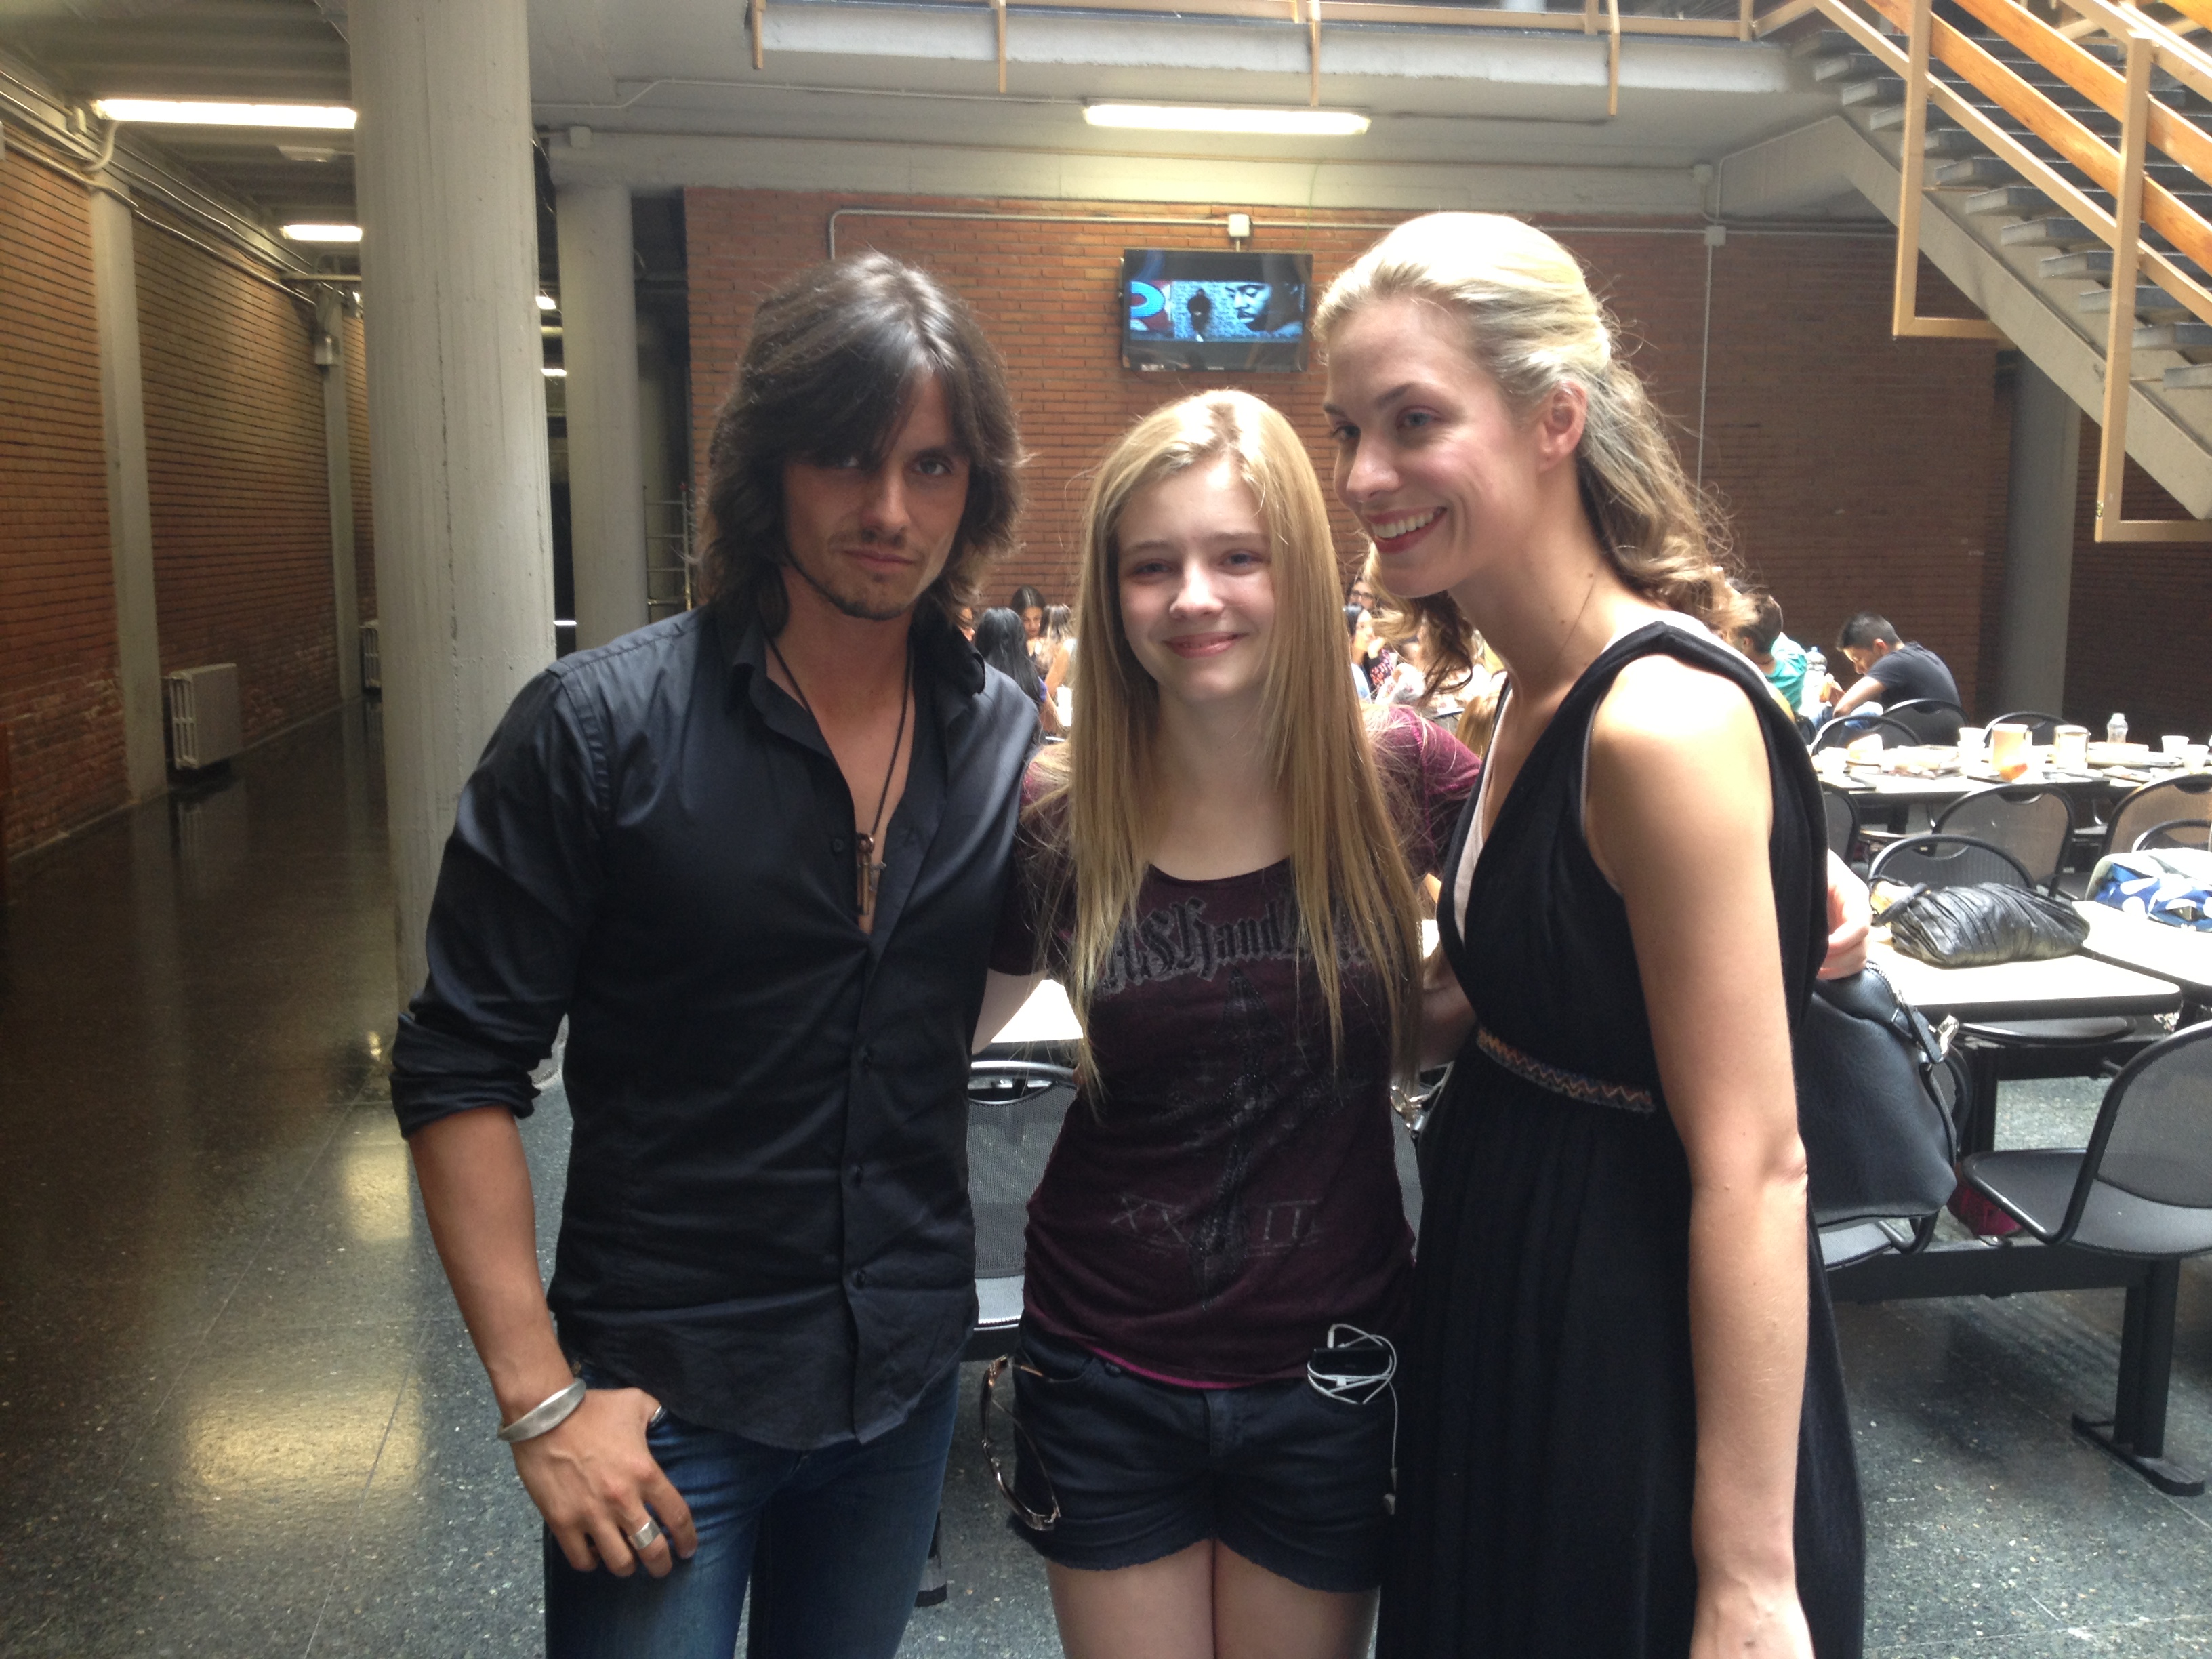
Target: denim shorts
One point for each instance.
(1292, 1479)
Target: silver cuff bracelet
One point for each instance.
(545, 1417)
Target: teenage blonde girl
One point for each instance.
(1625, 1431)
(1219, 867)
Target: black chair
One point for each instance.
(1931, 718)
(1948, 861)
(2041, 729)
(1843, 820)
(1015, 1106)
(2158, 806)
(2013, 1050)
(2142, 1187)
(2180, 832)
(2031, 821)
(1838, 733)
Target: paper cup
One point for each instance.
(2193, 757)
(1972, 739)
(2009, 749)
(2070, 748)
(2173, 743)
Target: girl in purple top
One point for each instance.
(1220, 867)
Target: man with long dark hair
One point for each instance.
(753, 854)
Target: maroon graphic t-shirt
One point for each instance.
(1230, 1192)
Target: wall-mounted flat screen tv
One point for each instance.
(1191, 310)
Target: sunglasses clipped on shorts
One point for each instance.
(1028, 1516)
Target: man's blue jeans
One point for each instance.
(832, 1543)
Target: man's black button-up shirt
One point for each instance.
(767, 1222)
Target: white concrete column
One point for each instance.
(456, 403)
(130, 509)
(2039, 572)
(337, 467)
(606, 461)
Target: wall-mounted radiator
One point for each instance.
(203, 723)
(372, 657)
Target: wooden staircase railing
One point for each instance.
(2139, 202)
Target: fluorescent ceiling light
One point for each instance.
(547, 302)
(200, 113)
(324, 233)
(557, 373)
(1186, 118)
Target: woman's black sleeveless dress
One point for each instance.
(1549, 1434)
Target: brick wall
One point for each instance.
(364, 526)
(59, 698)
(1835, 449)
(240, 498)
(2135, 626)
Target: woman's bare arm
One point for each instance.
(1680, 811)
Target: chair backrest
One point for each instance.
(1948, 861)
(1837, 734)
(2169, 802)
(2029, 820)
(2154, 1133)
(2180, 832)
(2041, 727)
(1843, 819)
(1014, 1112)
(1931, 718)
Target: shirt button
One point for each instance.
(855, 1172)
(836, 843)
(859, 1279)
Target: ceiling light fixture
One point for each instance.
(202, 112)
(1189, 118)
(557, 373)
(323, 233)
(547, 302)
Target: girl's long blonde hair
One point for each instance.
(1097, 817)
(1529, 320)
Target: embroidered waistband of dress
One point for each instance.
(1594, 1092)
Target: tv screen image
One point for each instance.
(1188, 310)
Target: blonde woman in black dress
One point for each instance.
(1626, 1431)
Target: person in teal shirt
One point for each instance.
(1780, 657)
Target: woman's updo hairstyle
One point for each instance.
(1529, 321)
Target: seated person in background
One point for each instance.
(998, 640)
(1780, 657)
(1889, 673)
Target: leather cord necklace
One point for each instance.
(868, 870)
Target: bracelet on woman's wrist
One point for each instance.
(546, 1416)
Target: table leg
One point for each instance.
(2136, 1432)
(1977, 1114)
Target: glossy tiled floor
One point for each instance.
(238, 1416)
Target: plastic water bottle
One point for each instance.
(2115, 729)
(1816, 677)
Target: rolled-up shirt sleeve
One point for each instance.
(518, 890)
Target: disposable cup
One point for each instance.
(2009, 749)
(2173, 743)
(2070, 748)
(1972, 739)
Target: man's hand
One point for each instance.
(1851, 918)
(596, 1484)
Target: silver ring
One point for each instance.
(646, 1535)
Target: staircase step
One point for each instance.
(2046, 232)
(2007, 202)
(2151, 301)
(1975, 173)
(1879, 90)
(2095, 263)
(2190, 336)
(1859, 63)
(2189, 377)
(1822, 42)
(1947, 140)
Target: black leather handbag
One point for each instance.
(1981, 923)
(1875, 1100)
